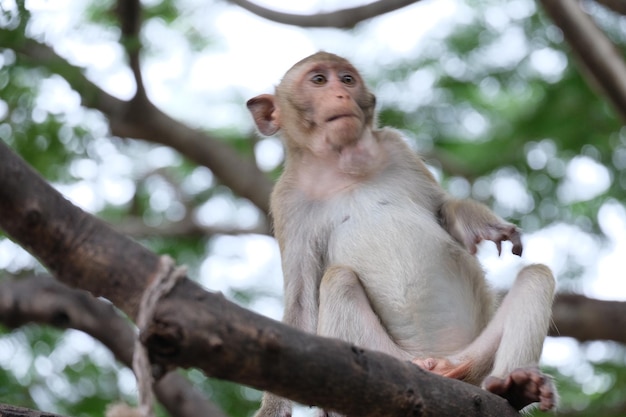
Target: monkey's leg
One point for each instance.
(346, 313)
(524, 317)
(509, 347)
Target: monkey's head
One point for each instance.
(321, 104)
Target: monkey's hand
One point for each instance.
(496, 232)
(470, 222)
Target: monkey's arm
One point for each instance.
(470, 222)
(302, 276)
(301, 281)
(467, 221)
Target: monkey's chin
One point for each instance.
(344, 132)
(339, 143)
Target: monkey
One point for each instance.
(376, 253)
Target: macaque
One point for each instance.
(375, 252)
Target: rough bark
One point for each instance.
(79, 249)
(193, 327)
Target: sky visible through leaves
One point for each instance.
(209, 89)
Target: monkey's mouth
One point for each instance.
(339, 116)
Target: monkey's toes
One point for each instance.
(522, 387)
(428, 364)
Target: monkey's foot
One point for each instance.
(524, 386)
(444, 367)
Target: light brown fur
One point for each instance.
(376, 253)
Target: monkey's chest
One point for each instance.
(388, 238)
(402, 257)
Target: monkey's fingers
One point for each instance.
(516, 239)
(472, 244)
(445, 367)
(509, 232)
(547, 397)
(427, 364)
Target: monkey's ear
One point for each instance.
(265, 113)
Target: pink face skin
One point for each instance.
(334, 90)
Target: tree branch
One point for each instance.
(587, 319)
(193, 327)
(140, 119)
(187, 227)
(129, 15)
(44, 300)
(345, 18)
(196, 328)
(602, 62)
(7, 410)
(618, 6)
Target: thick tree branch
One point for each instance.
(345, 18)
(192, 327)
(140, 119)
(604, 65)
(45, 300)
(587, 319)
(196, 328)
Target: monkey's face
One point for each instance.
(328, 101)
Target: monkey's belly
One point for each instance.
(420, 283)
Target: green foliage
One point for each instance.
(483, 118)
(101, 13)
(165, 10)
(187, 250)
(50, 372)
(603, 385)
(45, 140)
(12, 390)
(484, 114)
(235, 400)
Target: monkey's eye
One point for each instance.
(348, 79)
(318, 79)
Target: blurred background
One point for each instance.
(487, 91)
